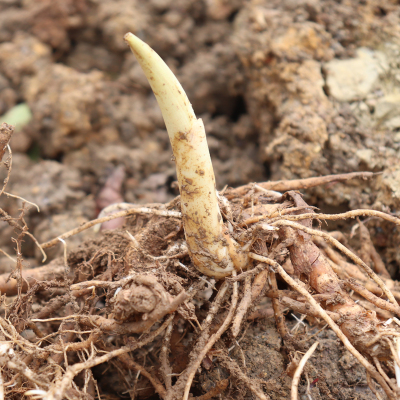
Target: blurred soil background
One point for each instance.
(286, 88)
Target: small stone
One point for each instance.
(387, 111)
(389, 190)
(353, 79)
(366, 156)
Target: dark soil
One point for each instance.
(266, 78)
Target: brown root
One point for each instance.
(148, 280)
(330, 322)
(297, 184)
(243, 307)
(299, 370)
(211, 341)
(9, 286)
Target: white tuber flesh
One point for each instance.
(212, 250)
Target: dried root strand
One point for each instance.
(299, 370)
(180, 385)
(124, 213)
(259, 283)
(19, 366)
(166, 369)
(251, 272)
(383, 304)
(279, 317)
(243, 307)
(368, 252)
(362, 360)
(58, 389)
(12, 222)
(215, 391)
(191, 371)
(30, 277)
(6, 132)
(346, 251)
(297, 184)
(305, 309)
(134, 366)
(345, 215)
(382, 372)
(346, 270)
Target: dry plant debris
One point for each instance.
(134, 294)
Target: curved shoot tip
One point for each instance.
(174, 104)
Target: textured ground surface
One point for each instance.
(287, 89)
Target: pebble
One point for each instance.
(353, 79)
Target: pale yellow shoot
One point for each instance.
(212, 250)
